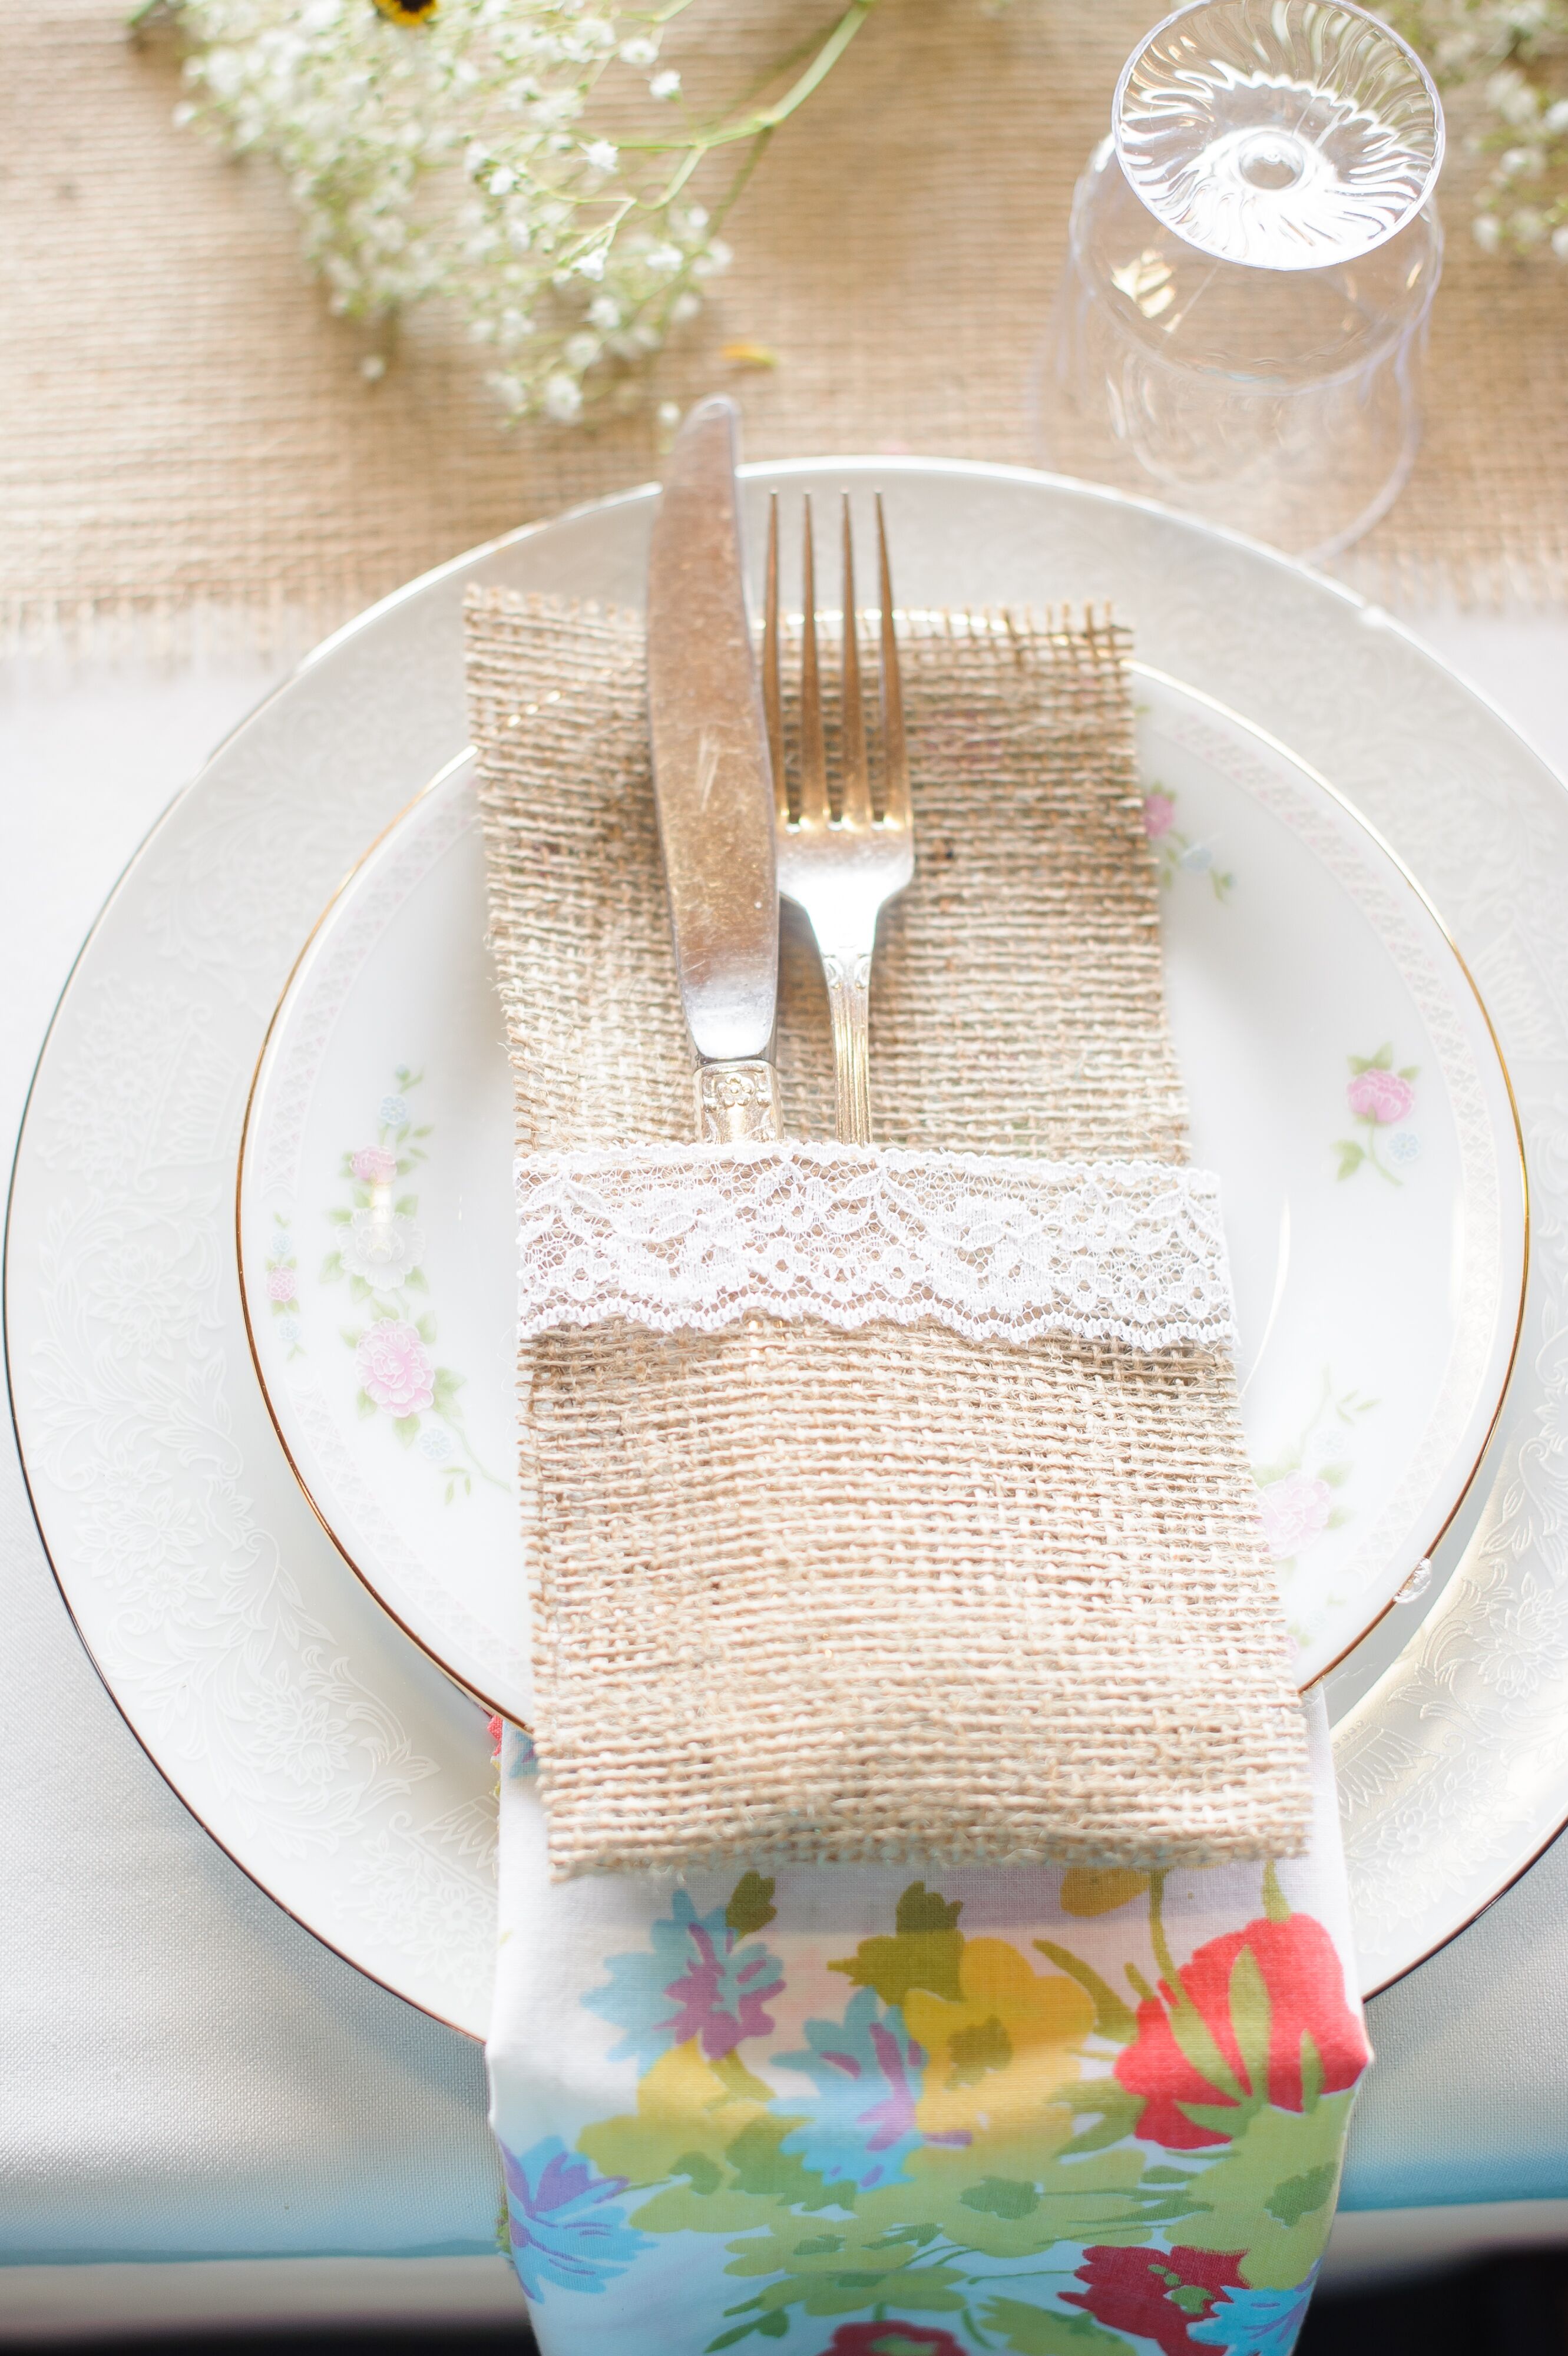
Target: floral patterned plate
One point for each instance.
(345, 1771)
(1343, 1078)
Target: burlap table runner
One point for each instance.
(808, 1593)
(188, 437)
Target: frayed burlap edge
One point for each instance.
(849, 1597)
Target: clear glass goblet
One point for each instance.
(1252, 256)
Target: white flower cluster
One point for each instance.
(445, 150)
(1525, 202)
(1518, 49)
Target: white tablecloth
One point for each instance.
(187, 2075)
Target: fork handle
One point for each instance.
(737, 1102)
(848, 978)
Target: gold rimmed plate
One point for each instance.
(344, 1773)
(1344, 1081)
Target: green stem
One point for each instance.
(1375, 1159)
(1162, 1955)
(672, 293)
(727, 200)
(1026, 2273)
(683, 173)
(768, 118)
(453, 1419)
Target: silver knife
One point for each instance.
(712, 781)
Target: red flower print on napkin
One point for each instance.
(1273, 1991)
(1154, 2294)
(892, 2338)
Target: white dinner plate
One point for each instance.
(338, 1764)
(1343, 1079)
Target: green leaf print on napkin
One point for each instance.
(960, 2132)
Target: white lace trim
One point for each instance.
(690, 1239)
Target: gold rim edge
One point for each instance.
(1358, 819)
(1138, 669)
(1033, 479)
(343, 887)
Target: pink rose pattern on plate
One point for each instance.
(1301, 1495)
(1176, 854)
(377, 1254)
(1300, 1491)
(373, 1166)
(394, 1368)
(1297, 1508)
(281, 1286)
(1381, 1100)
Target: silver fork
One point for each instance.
(840, 871)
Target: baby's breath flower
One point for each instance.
(561, 397)
(1512, 98)
(448, 148)
(1517, 50)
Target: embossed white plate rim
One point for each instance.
(1468, 1853)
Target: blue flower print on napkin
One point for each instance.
(564, 2230)
(707, 1977)
(1256, 2322)
(868, 2073)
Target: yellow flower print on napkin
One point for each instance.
(1001, 2048)
(1089, 1890)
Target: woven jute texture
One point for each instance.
(847, 1596)
(188, 435)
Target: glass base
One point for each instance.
(1306, 473)
(1285, 404)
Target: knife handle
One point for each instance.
(738, 1104)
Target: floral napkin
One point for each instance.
(882, 2111)
(853, 1626)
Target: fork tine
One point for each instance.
(772, 700)
(894, 750)
(814, 757)
(856, 775)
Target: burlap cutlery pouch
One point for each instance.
(806, 1593)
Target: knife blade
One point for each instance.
(713, 780)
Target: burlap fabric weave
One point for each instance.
(191, 446)
(810, 1594)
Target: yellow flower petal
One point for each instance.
(996, 2056)
(1084, 1892)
